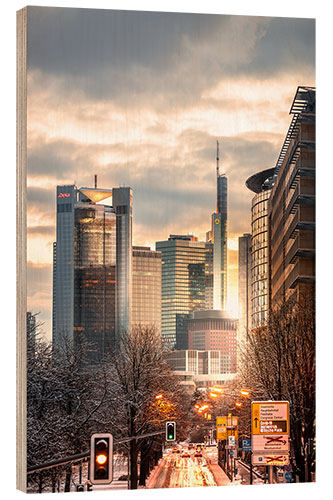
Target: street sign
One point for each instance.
(270, 459)
(270, 417)
(246, 444)
(287, 476)
(221, 427)
(226, 426)
(270, 432)
(287, 468)
(232, 441)
(270, 442)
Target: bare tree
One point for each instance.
(278, 363)
(139, 374)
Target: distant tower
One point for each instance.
(244, 285)
(219, 236)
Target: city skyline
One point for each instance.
(151, 118)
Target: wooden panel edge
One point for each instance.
(21, 249)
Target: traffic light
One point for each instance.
(101, 458)
(170, 431)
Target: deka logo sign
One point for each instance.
(64, 195)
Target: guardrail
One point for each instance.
(81, 457)
(255, 473)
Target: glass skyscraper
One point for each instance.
(219, 236)
(187, 266)
(260, 183)
(146, 288)
(89, 268)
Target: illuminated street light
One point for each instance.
(159, 396)
(238, 405)
(244, 392)
(217, 388)
(212, 395)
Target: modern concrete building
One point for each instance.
(217, 331)
(291, 207)
(91, 267)
(187, 280)
(200, 369)
(146, 287)
(261, 184)
(31, 328)
(199, 362)
(244, 286)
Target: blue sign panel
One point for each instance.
(246, 444)
(287, 475)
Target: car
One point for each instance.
(185, 454)
(198, 453)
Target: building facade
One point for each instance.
(209, 362)
(244, 286)
(86, 255)
(261, 184)
(146, 288)
(220, 236)
(217, 331)
(122, 201)
(291, 207)
(187, 266)
(31, 329)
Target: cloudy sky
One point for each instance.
(140, 98)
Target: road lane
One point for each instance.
(182, 472)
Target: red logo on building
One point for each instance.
(64, 195)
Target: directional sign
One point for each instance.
(270, 443)
(270, 459)
(226, 426)
(270, 417)
(221, 427)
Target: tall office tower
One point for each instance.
(146, 288)
(244, 286)
(291, 205)
(184, 286)
(122, 199)
(261, 184)
(84, 269)
(219, 237)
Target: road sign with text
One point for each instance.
(270, 432)
(270, 417)
(270, 459)
(221, 427)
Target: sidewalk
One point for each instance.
(152, 478)
(220, 477)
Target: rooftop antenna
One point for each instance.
(95, 181)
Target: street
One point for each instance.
(178, 471)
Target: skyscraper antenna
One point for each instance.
(95, 181)
(217, 159)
